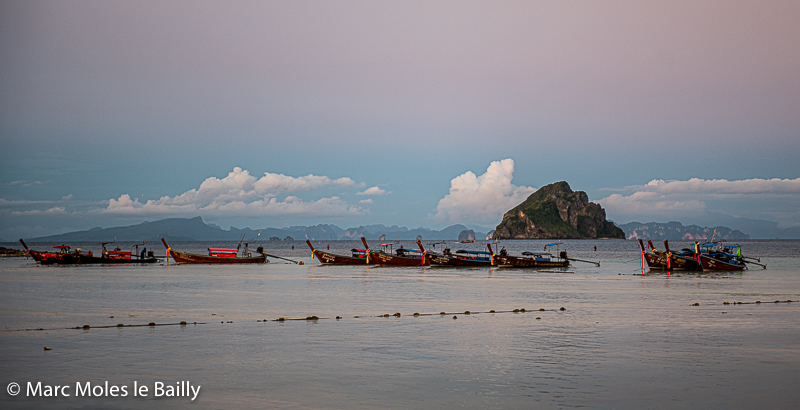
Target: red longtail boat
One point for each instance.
(403, 257)
(359, 257)
(215, 255)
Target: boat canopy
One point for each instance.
(536, 253)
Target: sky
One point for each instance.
(412, 113)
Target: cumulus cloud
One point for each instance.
(373, 191)
(676, 199)
(241, 194)
(365, 201)
(482, 199)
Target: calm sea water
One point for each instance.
(624, 340)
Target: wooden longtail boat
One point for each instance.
(533, 259)
(684, 260)
(655, 260)
(461, 257)
(669, 260)
(359, 257)
(402, 258)
(216, 256)
(718, 257)
(65, 257)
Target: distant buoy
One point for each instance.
(522, 310)
(281, 319)
(562, 308)
(397, 314)
(47, 348)
(87, 327)
(338, 317)
(541, 309)
(183, 322)
(416, 313)
(538, 318)
(120, 325)
(301, 263)
(466, 312)
(455, 317)
(111, 317)
(442, 313)
(491, 311)
(516, 311)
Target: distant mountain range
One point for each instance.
(194, 229)
(676, 230)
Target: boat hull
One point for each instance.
(522, 262)
(72, 259)
(379, 258)
(326, 258)
(712, 264)
(437, 259)
(658, 261)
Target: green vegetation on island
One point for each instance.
(556, 212)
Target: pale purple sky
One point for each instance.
(149, 99)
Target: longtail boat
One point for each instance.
(534, 259)
(653, 258)
(359, 257)
(720, 257)
(403, 257)
(77, 257)
(683, 260)
(461, 257)
(215, 255)
(668, 260)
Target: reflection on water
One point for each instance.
(623, 341)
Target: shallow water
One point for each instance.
(624, 340)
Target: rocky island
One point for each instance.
(557, 212)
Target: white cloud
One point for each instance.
(693, 186)
(482, 199)
(365, 201)
(240, 194)
(679, 199)
(373, 191)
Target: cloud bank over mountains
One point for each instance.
(771, 199)
(242, 194)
